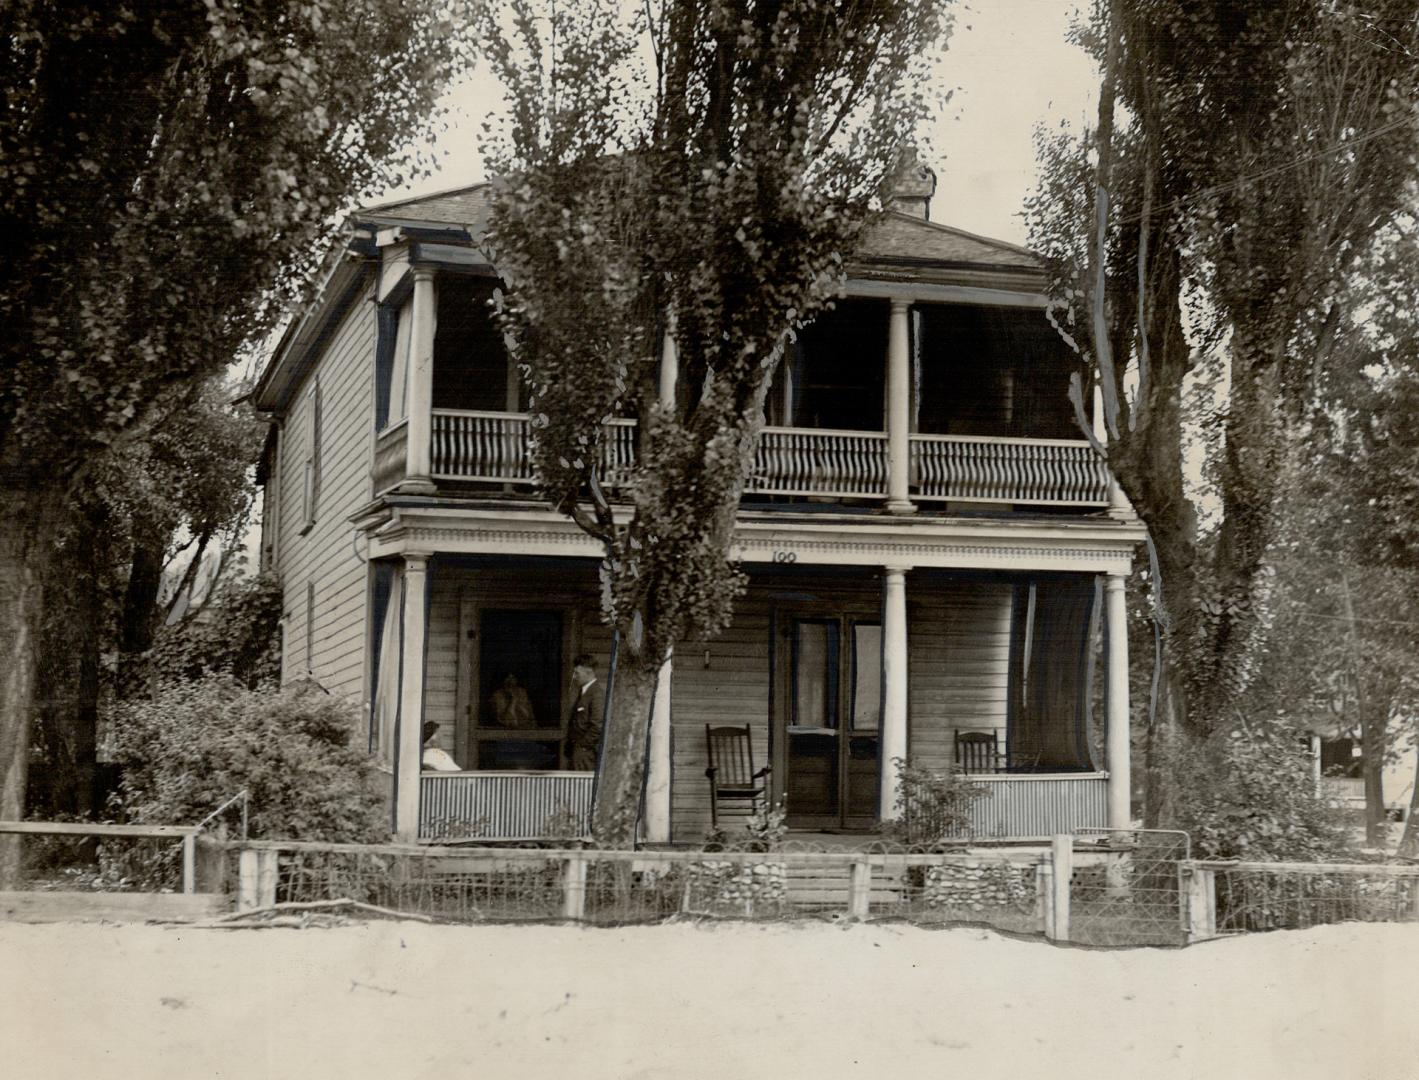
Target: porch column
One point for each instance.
(411, 699)
(656, 822)
(893, 741)
(899, 383)
(421, 382)
(669, 364)
(1119, 763)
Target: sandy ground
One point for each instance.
(397, 1000)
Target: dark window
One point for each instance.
(992, 371)
(470, 356)
(1341, 757)
(834, 375)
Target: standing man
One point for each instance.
(584, 720)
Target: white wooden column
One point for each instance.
(892, 743)
(899, 388)
(421, 382)
(656, 822)
(669, 364)
(1120, 767)
(411, 698)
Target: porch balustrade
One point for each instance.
(495, 447)
(520, 805)
(983, 469)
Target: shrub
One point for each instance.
(1252, 795)
(236, 633)
(933, 806)
(196, 744)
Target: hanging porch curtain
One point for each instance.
(388, 644)
(399, 372)
(1050, 671)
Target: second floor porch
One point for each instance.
(884, 401)
(493, 449)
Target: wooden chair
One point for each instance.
(978, 752)
(731, 769)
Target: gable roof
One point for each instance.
(893, 237)
(896, 235)
(466, 206)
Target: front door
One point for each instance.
(831, 708)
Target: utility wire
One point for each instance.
(1275, 170)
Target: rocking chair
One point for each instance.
(731, 770)
(978, 752)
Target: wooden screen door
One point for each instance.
(832, 710)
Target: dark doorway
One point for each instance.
(832, 716)
(519, 694)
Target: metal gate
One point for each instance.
(1125, 888)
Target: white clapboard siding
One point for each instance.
(958, 639)
(323, 555)
(733, 688)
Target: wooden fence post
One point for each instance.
(248, 871)
(1200, 889)
(268, 867)
(859, 898)
(1062, 860)
(574, 887)
(1044, 896)
(189, 864)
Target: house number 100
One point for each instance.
(785, 556)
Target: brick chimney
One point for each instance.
(911, 185)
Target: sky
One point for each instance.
(1011, 69)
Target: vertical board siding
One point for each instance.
(1039, 806)
(958, 640)
(323, 555)
(502, 806)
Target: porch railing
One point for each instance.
(979, 468)
(800, 461)
(495, 447)
(1033, 806)
(503, 805)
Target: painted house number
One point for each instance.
(785, 556)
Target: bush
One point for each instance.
(933, 807)
(236, 633)
(1252, 795)
(196, 744)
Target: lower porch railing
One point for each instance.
(504, 805)
(536, 805)
(1034, 806)
(495, 447)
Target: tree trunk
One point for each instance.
(620, 779)
(67, 681)
(23, 551)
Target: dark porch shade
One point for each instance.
(1051, 647)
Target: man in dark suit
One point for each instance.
(585, 717)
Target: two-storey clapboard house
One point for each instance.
(933, 549)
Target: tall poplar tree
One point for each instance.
(162, 165)
(689, 177)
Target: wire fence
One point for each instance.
(87, 863)
(1291, 896)
(620, 887)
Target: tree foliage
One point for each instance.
(692, 173)
(161, 166)
(1244, 160)
(194, 745)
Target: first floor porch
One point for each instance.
(836, 675)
